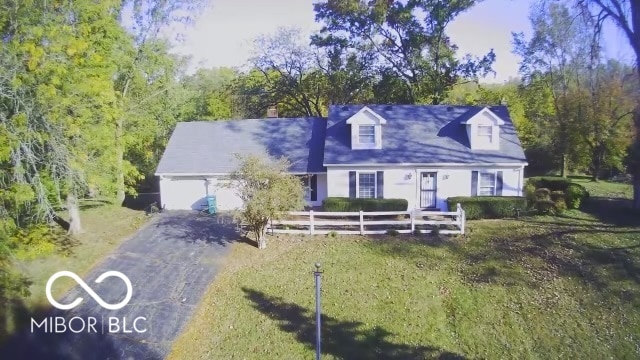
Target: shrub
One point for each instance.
(530, 194)
(545, 206)
(340, 204)
(332, 234)
(557, 195)
(487, 207)
(551, 183)
(543, 194)
(559, 203)
(417, 232)
(575, 195)
(392, 232)
(435, 231)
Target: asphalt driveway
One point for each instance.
(170, 262)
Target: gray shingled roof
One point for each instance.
(419, 134)
(208, 147)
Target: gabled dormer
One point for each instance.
(483, 130)
(366, 129)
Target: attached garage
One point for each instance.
(200, 156)
(190, 192)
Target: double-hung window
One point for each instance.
(485, 132)
(487, 186)
(367, 134)
(367, 185)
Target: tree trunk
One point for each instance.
(262, 243)
(75, 227)
(596, 166)
(635, 44)
(563, 166)
(636, 169)
(120, 188)
(120, 147)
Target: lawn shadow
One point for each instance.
(342, 339)
(615, 211)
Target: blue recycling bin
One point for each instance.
(212, 206)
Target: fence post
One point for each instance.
(361, 222)
(464, 220)
(311, 225)
(413, 220)
(460, 218)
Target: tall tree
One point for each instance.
(561, 49)
(148, 20)
(290, 69)
(57, 106)
(625, 14)
(605, 127)
(415, 59)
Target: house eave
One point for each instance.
(511, 164)
(228, 173)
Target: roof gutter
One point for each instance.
(519, 164)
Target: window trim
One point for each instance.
(373, 126)
(375, 183)
(487, 136)
(495, 182)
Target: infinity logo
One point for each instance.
(86, 288)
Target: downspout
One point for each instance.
(416, 188)
(520, 180)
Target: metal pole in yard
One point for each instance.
(317, 278)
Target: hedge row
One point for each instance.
(342, 204)
(488, 207)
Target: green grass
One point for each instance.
(540, 287)
(606, 189)
(105, 227)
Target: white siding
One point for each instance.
(404, 182)
(189, 193)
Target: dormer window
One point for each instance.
(366, 129)
(483, 130)
(485, 133)
(367, 134)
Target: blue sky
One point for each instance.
(222, 34)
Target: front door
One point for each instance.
(428, 190)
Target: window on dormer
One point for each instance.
(367, 134)
(485, 132)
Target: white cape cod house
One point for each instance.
(422, 153)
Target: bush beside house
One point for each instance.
(487, 207)
(343, 204)
(554, 195)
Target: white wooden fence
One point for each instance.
(310, 222)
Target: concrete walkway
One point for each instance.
(170, 262)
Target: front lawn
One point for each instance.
(105, 227)
(540, 287)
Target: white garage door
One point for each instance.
(189, 193)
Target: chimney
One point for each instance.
(272, 111)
